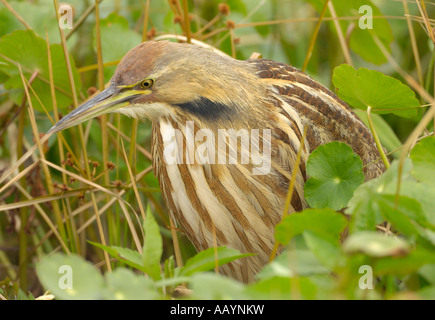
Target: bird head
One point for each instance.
(157, 79)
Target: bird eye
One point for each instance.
(147, 83)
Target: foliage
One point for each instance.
(335, 172)
(85, 220)
(33, 58)
(362, 88)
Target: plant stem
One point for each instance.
(340, 34)
(145, 21)
(81, 136)
(290, 189)
(186, 20)
(375, 136)
(24, 214)
(314, 36)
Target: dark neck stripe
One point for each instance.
(206, 109)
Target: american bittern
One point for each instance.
(200, 102)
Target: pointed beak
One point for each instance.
(108, 100)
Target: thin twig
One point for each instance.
(340, 34)
(16, 15)
(314, 36)
(375, 136)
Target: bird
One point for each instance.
(225, 139)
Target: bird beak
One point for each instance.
(108, 100)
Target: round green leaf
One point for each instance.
(363, 88)
(70, 277)
(335, 172)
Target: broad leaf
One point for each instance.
(324, 222)
(375, 244)
(335, 172)
(364, 206)
(293, 263)
(362, 29)
(211, 286)
(363, 88)
(282, 288)
(406, 216)
(116, 40)
(58, 271)
(423, 158)
(407, 264)
(327, 252)
(30, 52)
(210, 258)
(124, 284)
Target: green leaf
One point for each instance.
(424, 193)
(361, 40)
(423, 158)
(128, 256)
(54, 271)
(375, 244)
(116, 40)
(169, 269)
(387, 136)
(8, 23)
(428, 273)
(427, 293)
(210, 258)
(30, 51)
(39, 16)
(282, 288)
(324, 222)
(293, 263)
(153, 247)
(405, 265)
(10, 290)
(171, 281)
(335, 172)
(401, 217)
(408, 218)
(124, 284)
(327, 252)
(364, 209)
(364, 206)
(212, 286)
(363, 87)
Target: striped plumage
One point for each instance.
(225, 204)
(243, 207)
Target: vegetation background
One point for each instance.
(88, 199)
